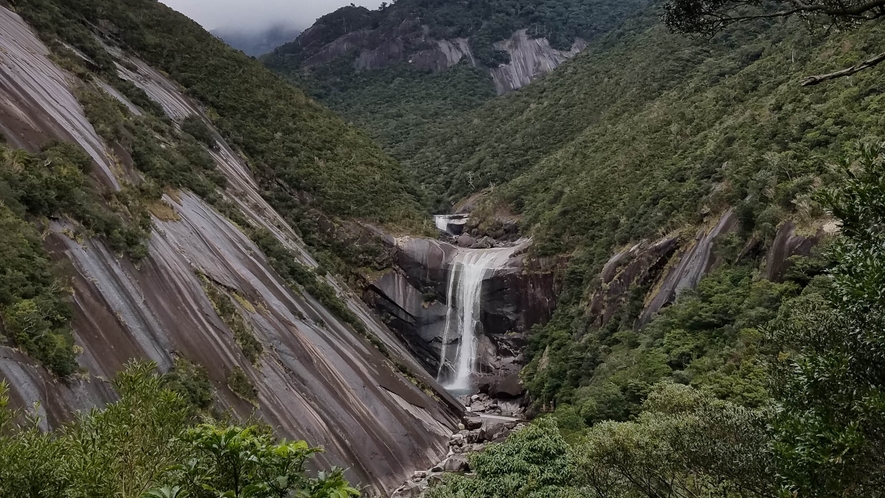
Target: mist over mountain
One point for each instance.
(257, 41)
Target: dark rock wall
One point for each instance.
(513, 300)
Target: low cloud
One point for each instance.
(248, 15)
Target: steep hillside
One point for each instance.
(629, 160)
(156, 192)
(298, 149)
(402, 69)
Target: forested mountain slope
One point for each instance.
(644, 164)
(718, 229)
(160, 195)
(400, 70)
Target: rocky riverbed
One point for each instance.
(476, 432)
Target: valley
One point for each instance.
(443, 250)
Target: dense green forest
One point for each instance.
(289, 138)
(401, 106)
(803, 420)
(742, 387)
(649, 133)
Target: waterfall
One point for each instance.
(464, 297)
(442, 222)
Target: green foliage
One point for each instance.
(534, 462)
(198, 129)
(403, 107)
(241, 384)
(828, 375)
(171, 159)
(690, 16)
(243, 462)
(145, 446)
(709, 339)
(296, 144)
(483, 22)
(191, 382)
(685, 443)
(399, 105)
(34, 313)
(605, 153)
(232, 317)
(56, 183)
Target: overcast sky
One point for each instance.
(251, 14)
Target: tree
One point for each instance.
(829, 378)
(708, 17)
(685, 444)
(145, 446)
(534, 463)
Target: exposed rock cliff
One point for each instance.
(513, 299)
(675, 263)
(374, 45)
(529, 59)
(318, 379)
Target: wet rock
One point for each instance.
(509, 386)
(472, 423)
(483, 243)
(466, 241)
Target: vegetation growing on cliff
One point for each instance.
(602, 154)
(817, 433)
(482, 22)
(147, 444)
(402, 106)
(54, 187)
(295, 145)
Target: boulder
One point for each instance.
(496, 431)
(472, 423)
(466, 241)
(509, 386)
(456, 463)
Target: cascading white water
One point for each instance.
(464, 294)
(442, 222)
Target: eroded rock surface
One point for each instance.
(317, 380)
(513, 299)
(530, 58)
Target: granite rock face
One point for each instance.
(411, 43)
(318, 379)
(530, 58)
(513, 299)
(675, 264)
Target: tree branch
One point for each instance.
(814, 80)
(855, 11)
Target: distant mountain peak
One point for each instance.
(257, 41)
